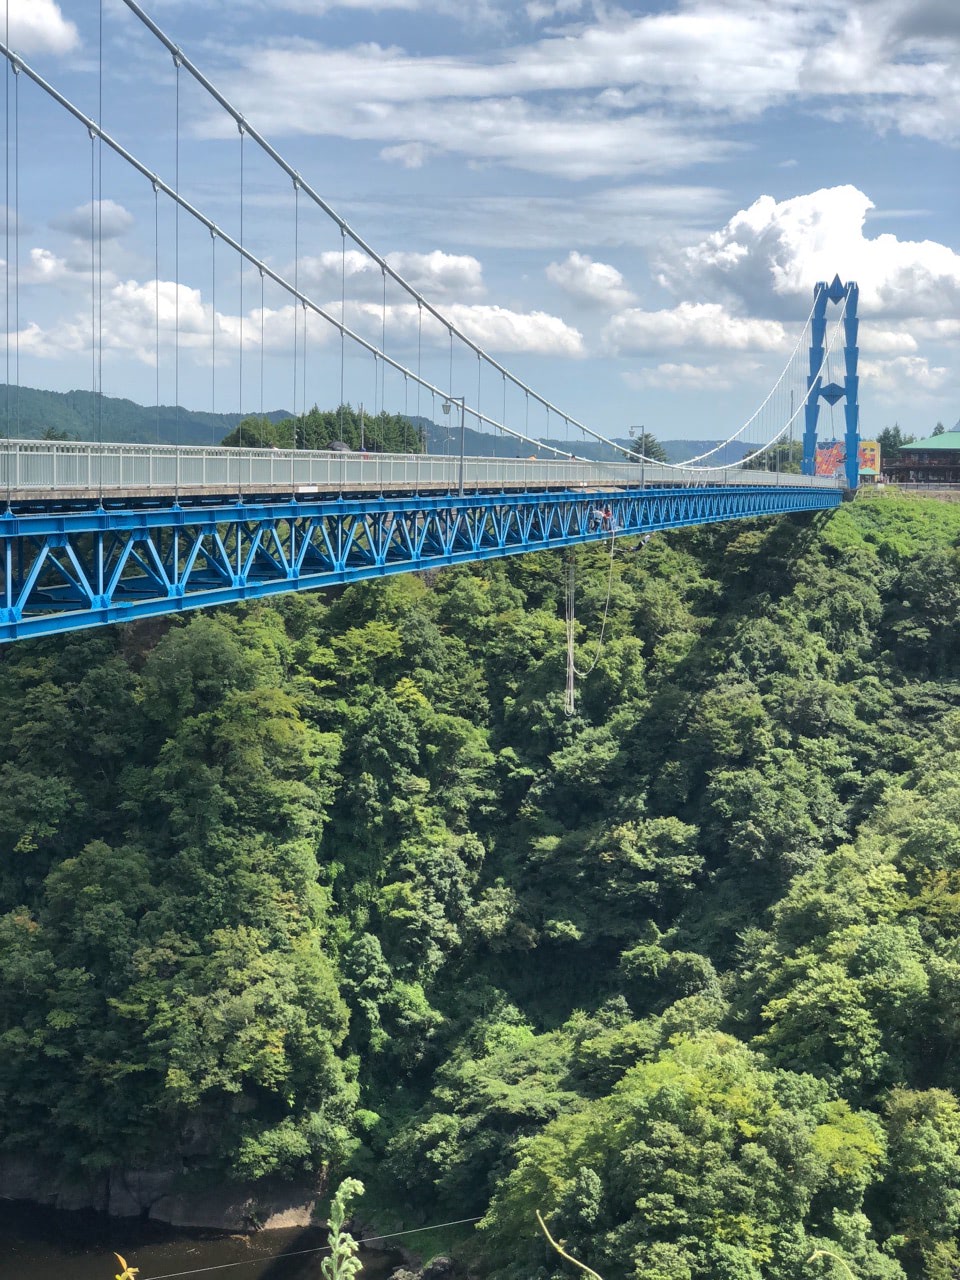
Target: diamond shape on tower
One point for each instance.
(832, 392)
(836, 290)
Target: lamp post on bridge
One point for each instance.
(462, 402)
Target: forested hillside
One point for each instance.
(29, 413)
(333, 884)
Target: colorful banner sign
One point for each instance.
(832, 455)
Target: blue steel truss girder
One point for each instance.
(65, 571)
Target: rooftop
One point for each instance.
(948, 440)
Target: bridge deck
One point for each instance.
(91, 536)
(43, 472)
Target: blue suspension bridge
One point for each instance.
(93, 533)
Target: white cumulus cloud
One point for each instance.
(901, 371)
(771, 254)
(691, 324)
(110, 219)
(877, 342)
(38, 26)
(614, 91)
(435, 275)
(496, 329)
(412, 155)
(675, 376)
(132, 310)
(440, 274)
(43, 267)
(590, 282)
(502, 330)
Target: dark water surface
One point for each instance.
(42, 1244)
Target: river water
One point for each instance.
(41, 1244)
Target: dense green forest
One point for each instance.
(332, 884)
(375, 433)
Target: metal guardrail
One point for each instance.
(51, 469)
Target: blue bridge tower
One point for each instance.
(848, 294)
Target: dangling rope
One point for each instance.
(573, 672)
(570, 691)
(261, 341)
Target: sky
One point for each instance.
(627, 206)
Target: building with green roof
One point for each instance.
(934, 461)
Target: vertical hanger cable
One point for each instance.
(93, 284)
(296, 291)
(383, 348)
(6, 256)
(213, 330)
(156, 294)
(303, 398)
(100, 245)
(16, 238)
(343, 316)
(240, 355)
(176, 261)
(419, 346)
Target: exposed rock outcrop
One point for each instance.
(162, 1195)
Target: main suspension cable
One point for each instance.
(347, 230)
(481, 419)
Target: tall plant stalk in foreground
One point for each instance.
(343, 1263)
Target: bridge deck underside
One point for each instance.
(65, 570)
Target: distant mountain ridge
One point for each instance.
(27, 413)
(442, 438)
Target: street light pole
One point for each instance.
(462, 402)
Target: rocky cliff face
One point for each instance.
(161, 1195)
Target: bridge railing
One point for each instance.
(54, 468)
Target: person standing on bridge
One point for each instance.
(607, 522)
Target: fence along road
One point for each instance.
(49, 472)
